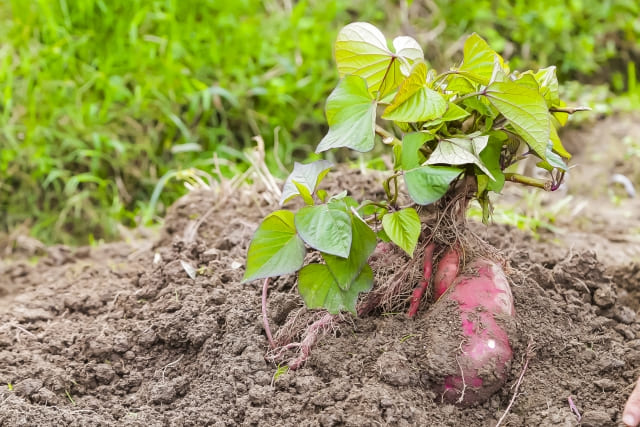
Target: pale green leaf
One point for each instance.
(557, 143)
(479, 60)
(403, 228)
(351, 113)
(325, 228)
(409, 52)
(361, 50)
(275, 249)
(415, 101)
(460, 151)
(453, 113)
(428, 184)
(525, 109)
(307, 175)
(319, 289)
(549, 87)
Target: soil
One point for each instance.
(120, 334)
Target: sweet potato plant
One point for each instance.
(455, 137)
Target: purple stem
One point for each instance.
(265, 318)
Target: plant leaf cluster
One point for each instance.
(472, 122)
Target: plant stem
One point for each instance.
(387, 137)
(527, 180)
(568, 110)
(469, 95)
(265, 317)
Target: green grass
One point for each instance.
(100, 99)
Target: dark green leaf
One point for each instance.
(363, 244)
(428, 184)
(490, 156)
(403, 228)
(351, 113)
(325, 228)
(319, 289)
(275, 249)
(411, 143)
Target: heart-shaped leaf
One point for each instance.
(361, 50)
(525, 109)
(403, 228)
(428, 184)
(325, 228)
(415, 101)
(319, 289)
(308, 176)
(275, 249)
(460, 151)
(351, 113)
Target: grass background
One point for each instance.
(99, 99)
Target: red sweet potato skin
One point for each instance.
(483, 297)
(446, 272)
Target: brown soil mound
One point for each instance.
(121, 335)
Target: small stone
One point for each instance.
(104, 373)
(28, 387)
(624, 314)
(606, 384)
(596, 419)
(394, 368)
(218, 296)
(604, 297)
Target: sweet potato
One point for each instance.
(446, 272)
(484, 300)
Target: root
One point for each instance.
(527, 356)
(314, 331)
(427, 271)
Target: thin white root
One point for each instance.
(527, 355)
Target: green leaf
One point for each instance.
(525, 109)
(275, 249)
(415, 101)
(351, 113)
(411, 143)
(403, 228)
(490, 156)
(325, 228)
(361, 50)
(553, 161)
(479, 60)
(454, 112)
(549, 87)
(460, 151)
(304, 192)
(363, 244)
(308, 176)
(460, 84)
(557, 143)
(319, 289)
(428, 184)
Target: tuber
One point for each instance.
(484, 300)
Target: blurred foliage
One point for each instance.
(592, 40)
(101, 99)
